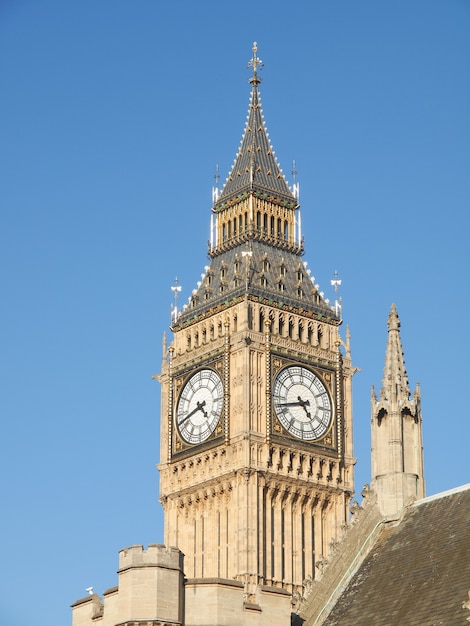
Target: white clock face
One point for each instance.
(200, 406)
(302, 403)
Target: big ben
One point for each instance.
(256, 459)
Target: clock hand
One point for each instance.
(199, 406)
(300, 402)
(304, 403)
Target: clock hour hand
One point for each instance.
(199, 407)
(300, 402)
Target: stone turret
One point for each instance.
(397, 447)
(150, 590)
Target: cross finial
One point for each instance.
(255, 63)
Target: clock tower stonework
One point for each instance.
(256, 460)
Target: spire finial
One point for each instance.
(255, 63)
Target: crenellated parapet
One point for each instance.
(156, 555)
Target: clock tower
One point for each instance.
(256, 460)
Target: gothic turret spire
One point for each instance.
(397, 447)
(395, 386)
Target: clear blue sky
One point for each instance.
(113, 116)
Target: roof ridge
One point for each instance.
(442, 494)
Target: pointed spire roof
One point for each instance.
(395, 380)
(255, 166)
(255, 248)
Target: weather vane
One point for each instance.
(295, 185)
(336, 283)
(215, 188)
(255, 63)
(176, 288)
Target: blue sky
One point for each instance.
(113, 117)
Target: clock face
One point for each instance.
(200, 406)
(302, 403)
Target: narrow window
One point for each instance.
(302, 540)
(261, 320)
(273, 552)
(283, 546)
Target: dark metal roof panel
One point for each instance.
(255, 165)
(272, 273)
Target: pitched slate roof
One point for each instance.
(418, 573)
